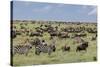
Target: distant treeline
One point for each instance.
(63, 22)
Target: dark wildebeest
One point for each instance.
(36, 42)
(21, 49)
(41, 25)
(90, 30)
(13, 34)
(66, 48)
(63, 35)
(40, 30)
(83, 46)
(54, 33)
(36, 34)
(20, 31)
(45, 49)
(95, 58)
(80, 35)
(56, 28)
(94, 37)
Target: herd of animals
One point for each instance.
(41, 46)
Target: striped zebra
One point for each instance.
(45, 49)
(21, 49)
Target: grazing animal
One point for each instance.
(53, 47)
(45, 49)
(94, 37)
(21, 49)
(43, 43)
(53, 34)
(36, 34)
(80, 35)
(83, 46)
(95, 58)
(63, 35)
(36, 42)
(13, 34)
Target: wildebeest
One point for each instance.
(45, 49)
(13, 34)
(83, 46)
(80, 34)
(54, 33)
(36, 34)
(39, 29)
(66, 48)
(90, 30)
(95, 58)
(63, 35)
(79, 40)
(71, 30)
(94, 37)
(21, 49)
(36, 42)
(56, 28)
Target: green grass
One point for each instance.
(58, 56)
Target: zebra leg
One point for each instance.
(49, 51)
(26, 54)
(37, 52)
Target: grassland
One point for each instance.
(58, 56)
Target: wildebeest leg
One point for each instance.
(68, 49)
(77, 49)
(51, 37)
(14, 54)
(85, 49)
(95, 58)
(49, 53)
(26, 54)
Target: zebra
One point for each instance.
(21, 49)
(45, 49)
